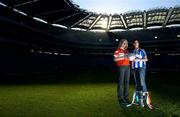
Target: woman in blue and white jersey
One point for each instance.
(138, 66)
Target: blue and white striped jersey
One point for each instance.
(139, 54)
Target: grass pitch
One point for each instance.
(81, 99)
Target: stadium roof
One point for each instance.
(66, 14)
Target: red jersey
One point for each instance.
(121, 57)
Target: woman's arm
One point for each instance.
(118, 56)
(144, 59)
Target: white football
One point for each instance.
(131, 57)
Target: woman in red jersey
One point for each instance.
(121, 57)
